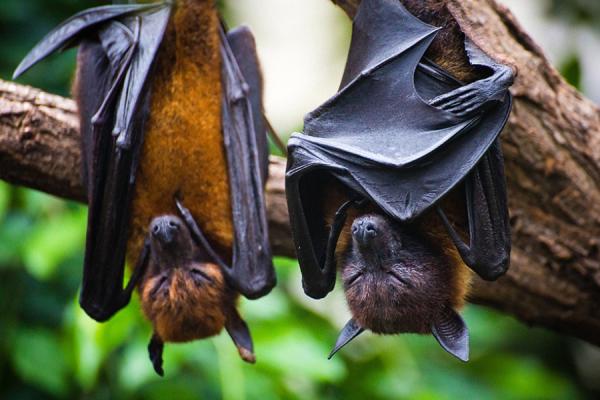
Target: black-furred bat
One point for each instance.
(397, 144)
(172, 128)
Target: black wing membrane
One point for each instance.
(244, 134)
(69, 32)
(488, 252)
(243, 47)
(381, 137)
(118, 47)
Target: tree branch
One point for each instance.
(552, 161)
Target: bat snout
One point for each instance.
(165, 228)
(365, 230)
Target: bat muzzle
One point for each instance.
(365, 231)
(165, 229)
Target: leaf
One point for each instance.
(38, 358)
(571, 71)
(51, 243)
(4, 199)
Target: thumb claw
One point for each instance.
(247, 355)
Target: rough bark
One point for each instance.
(39, 141)
(552, 161)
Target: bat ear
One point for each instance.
(240, 334)
(155, 351)
(452, 333)
(350, 331)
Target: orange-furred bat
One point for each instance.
(397, 181)
(175, 162)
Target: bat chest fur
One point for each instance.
(183, 153)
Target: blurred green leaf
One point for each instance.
(300, 353)
(39, 358)
(576, 11)
(50, 243)
(5, 190)
(13, 229)
(570, 69)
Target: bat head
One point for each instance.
(188, 302)
(396, 282)
(185, 299)
(170, 241)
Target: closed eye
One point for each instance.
(403, 281)
(162, 282)
(197, 273)
(354, 278)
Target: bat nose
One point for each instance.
(164, 229)
(364, 231)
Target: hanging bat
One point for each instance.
(175, 162)
(409, 156)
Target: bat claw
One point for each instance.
(459, 101)
(155, 351)
(182, 210)
(247, 355)
(451, 97)
(158, 368)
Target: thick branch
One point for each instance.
(39, 141)
(552, 161)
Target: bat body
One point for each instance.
(183, 132)
(172, 133)
(411, 152)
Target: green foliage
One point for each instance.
(22, 24)
(571, 71)
(50, 349)
(585, 12)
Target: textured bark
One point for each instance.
(39, 141)
(551, 146)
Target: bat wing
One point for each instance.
(251, 272)
(69, 32)
(380, 136)
(488, 252)
(243, 46)
(118, 47)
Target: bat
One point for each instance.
(401, 143)
(173, 140)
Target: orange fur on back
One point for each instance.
(430, 226)
(183, 152)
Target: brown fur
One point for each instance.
(430, 226)
(185, 312)
(447, 49)
(368, 309)
(183, 151)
